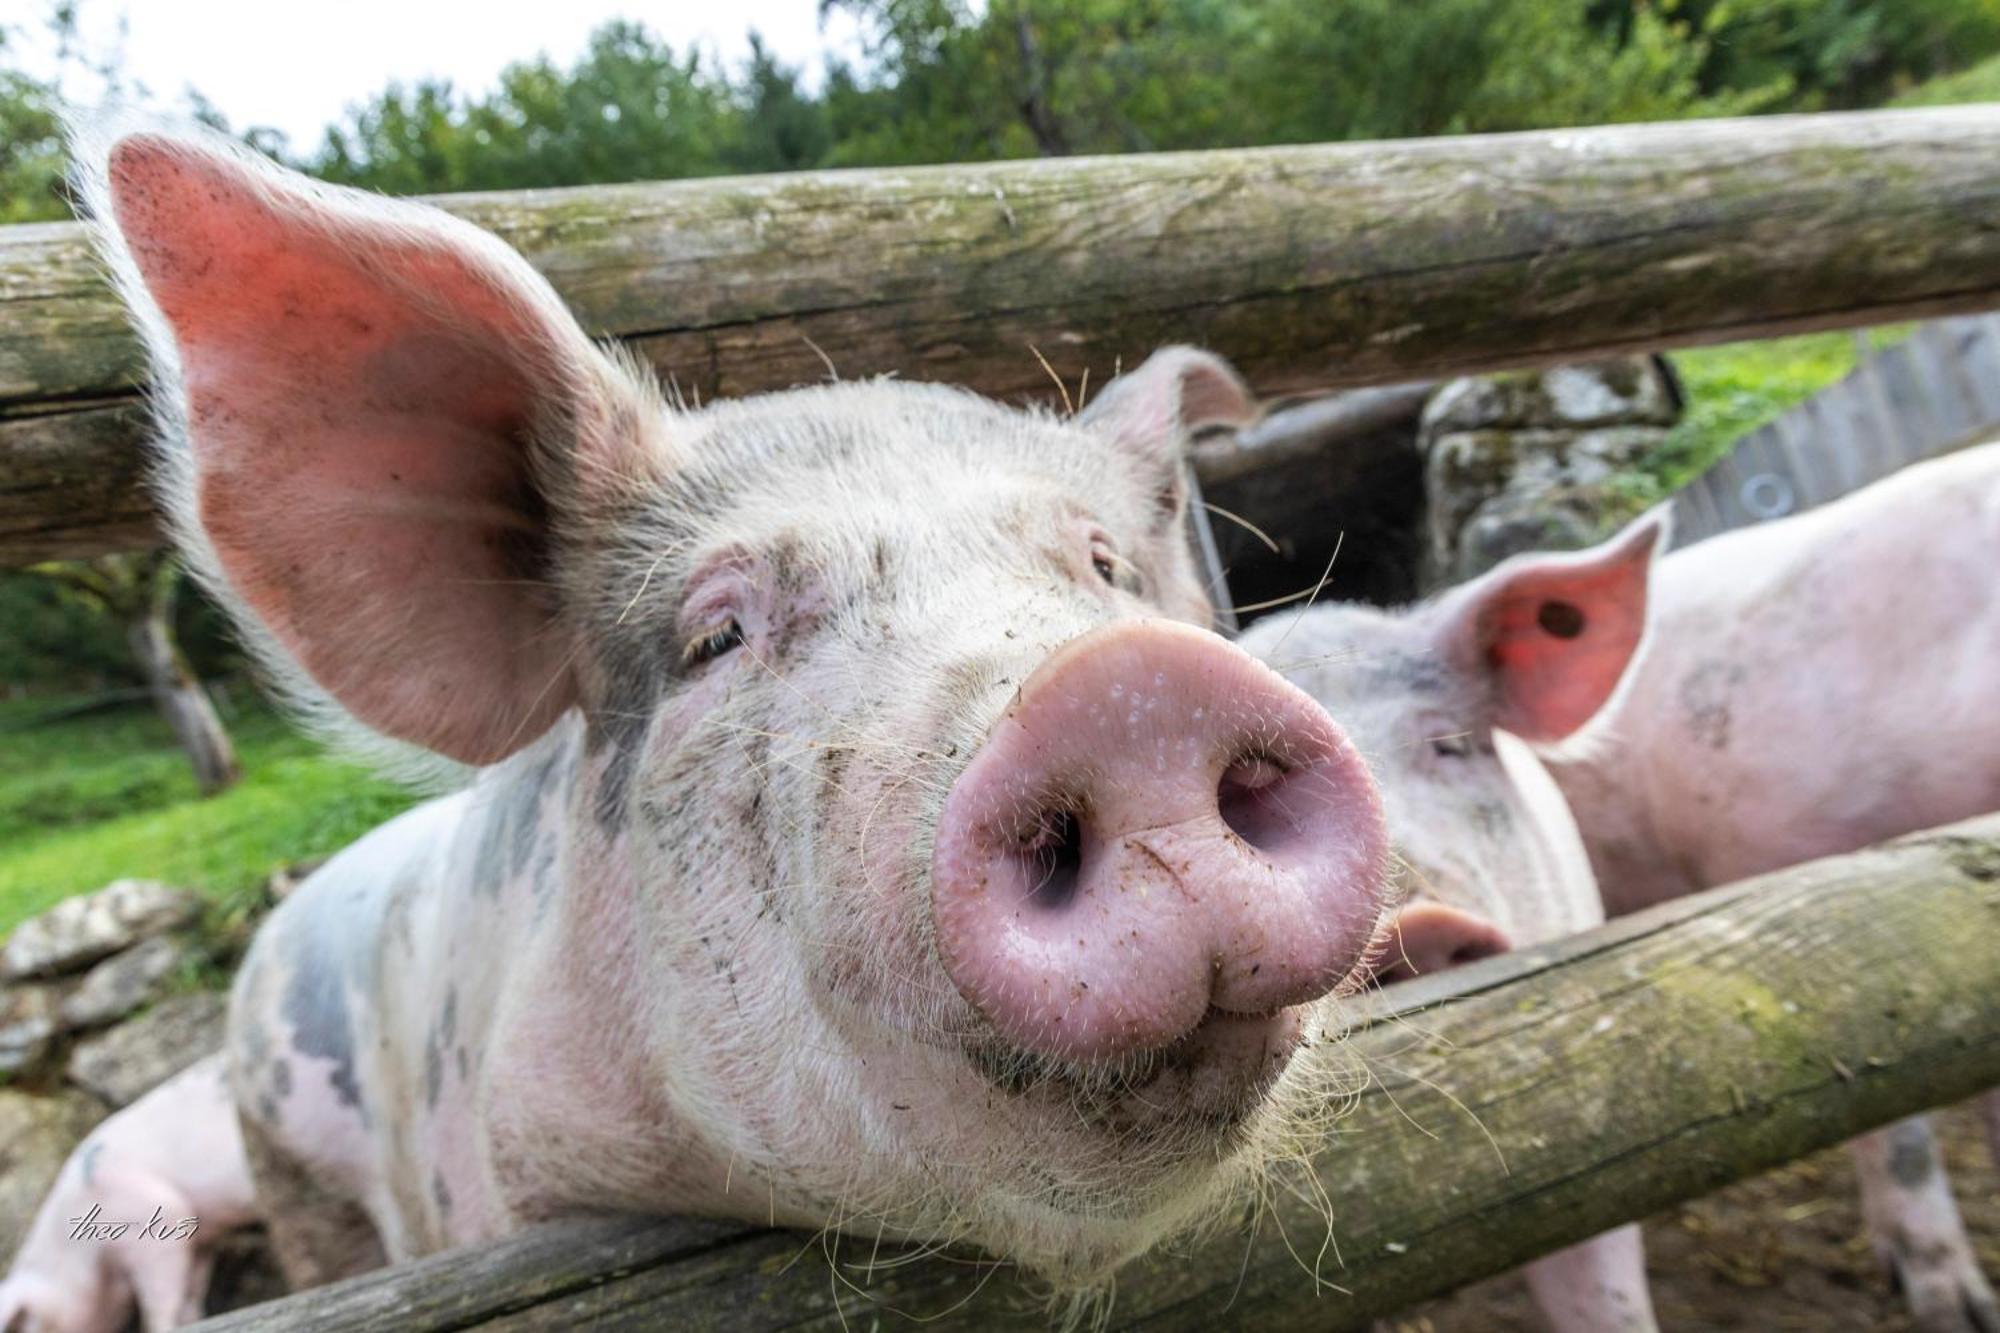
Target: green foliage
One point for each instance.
(1981, 83)
(1814, 55)
(1470, 66)
(1735, 388)
(1016, 78)
(629, 109)
(90, 799)
(31, 161)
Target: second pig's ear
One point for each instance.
(1151, 411)
(1553, 635)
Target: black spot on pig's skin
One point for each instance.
(1912, 1153)
(489, 869)
(433, 1071)
(87, 1162)
(1707, 702)
(1419, 673)
(441, 1192)
(281, 1078)
(316, 1007)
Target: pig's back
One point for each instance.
(1822, 682)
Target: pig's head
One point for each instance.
(949, 882)
(1435, 698)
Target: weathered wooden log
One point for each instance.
(1309, 266)
(1515, 1106)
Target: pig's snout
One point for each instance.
(1158, 827)
(1429, 937)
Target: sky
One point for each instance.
(297, 64)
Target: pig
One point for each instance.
(861, 827)
(135, 1214)
(1443, 701)
(1817, 684)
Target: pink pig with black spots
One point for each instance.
(860, 827)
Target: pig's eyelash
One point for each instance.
(713, 644)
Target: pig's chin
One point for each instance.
(1198, 1094)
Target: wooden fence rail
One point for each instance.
(1517, 1105)
(1309, 266)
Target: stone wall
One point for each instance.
(1530, 460)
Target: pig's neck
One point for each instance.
(1610, 792)
(585, 1122)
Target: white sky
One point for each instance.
(297, 64)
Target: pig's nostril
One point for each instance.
(1054, 859)
(1253, 800)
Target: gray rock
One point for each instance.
(1495, 493)
(121, 983)
(36, 1135)
(122, 1063)
(28, 1026)
(79, 931)
(1632, 390)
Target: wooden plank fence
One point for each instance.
(1936, 391)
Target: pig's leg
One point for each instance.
(173, 1154)
(1598, 1286)
(317, 1234)
(1918, 1234)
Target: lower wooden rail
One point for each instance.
(1515, 1106)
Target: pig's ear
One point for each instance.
(1554, 634)
(382, 407)
(1152, 410)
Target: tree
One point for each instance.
(1813, 55)
(629, 109)
(779, 127)
(135, 593)
(138, 592)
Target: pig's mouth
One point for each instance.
(1209, 1083)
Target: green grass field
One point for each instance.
(95, 798)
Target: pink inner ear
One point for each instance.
(358, 391)
(1557, 632)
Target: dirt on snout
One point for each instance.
(1783, 1251)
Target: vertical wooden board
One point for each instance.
(1934, 352)
(1795, 445)
(1919, 430)
(1708, 513)
(1978, 364)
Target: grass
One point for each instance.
(1737, 387)
(94, 798)
(1980, 83)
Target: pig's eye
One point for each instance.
(712, 645)
(1455, 746)
(1104, 561)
